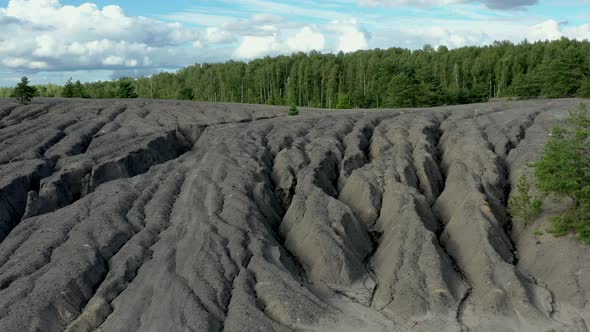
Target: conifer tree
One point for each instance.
(68, 90)
(523, 206)
(23, 92)
(125, 89)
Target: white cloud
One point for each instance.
(580, 32)
(87, 37)
(217, 35)
(351, 35)
(306, 40)
(492, 4)
(113, 61)
(459, 33)
(256, 46)
(417, 3)
(545, 30)
(280, 41)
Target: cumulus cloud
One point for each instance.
(492, 4)
(279, 42)
(335, 36)
(458, 33)
(255, 46)
(216, 35)
(351, 35)
(580, 32)
(307, 39)
(46, 35)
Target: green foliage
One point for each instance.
(523, 205)
(80, 90)
(23, 92)
(293, 111)
(527, 85)
(393, 77)
(402, 91)
(6, 92)
(342, 101)
(68, 90)
(564, 73)
(564, 169)
(186, 94)
(126, 89)
(584, 91)
(49, 90)
(74, 90)
(102, 89)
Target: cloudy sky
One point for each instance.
(51, 40)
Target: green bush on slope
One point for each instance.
(564, 169)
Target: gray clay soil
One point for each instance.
(136, 215)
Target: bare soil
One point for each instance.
(143, 215)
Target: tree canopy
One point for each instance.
(394, 77)
(74, 90)
(125, 88)
(23, 92)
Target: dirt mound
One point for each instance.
(134, 215)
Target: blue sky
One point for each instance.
(52, 40)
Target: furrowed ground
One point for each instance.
(125, 215)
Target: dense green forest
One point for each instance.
(377, 78)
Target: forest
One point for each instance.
(393, 77)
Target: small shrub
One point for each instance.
(538, 233)
(523, 205)
(293, 111)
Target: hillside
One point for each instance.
(125, 215)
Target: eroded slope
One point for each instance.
(153, 215)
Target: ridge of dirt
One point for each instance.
(125, 215)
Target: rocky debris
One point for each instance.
(126, 215)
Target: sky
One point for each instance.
(52, 40)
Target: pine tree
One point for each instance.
(68, 90)
(523, 205)
(23, 92)
(125, 89)
(79, 91)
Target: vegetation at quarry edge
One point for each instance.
(394, 77)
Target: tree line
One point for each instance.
(393, 77)
(122, 88)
